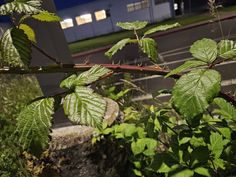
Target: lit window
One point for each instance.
(137, 5)
(83, 19)
(145, 4)
(67, 23)
(100, 15)
(130, 7)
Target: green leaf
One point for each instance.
(187, 65)
(137, 172)
(132, 25)
(28, 31)
(161, 28)
(34, 122)
(46, 17)
(127, 130)
(15, 48)
(197, 142)
(219, 163)
(184, 173)
(184, 140)
(21, 6)
(204, 50)
(85, 107)
(227, 49)
(217, 144)
(22, 45)
(118, 46)
(147, 146)
(194, 91)
(227, 110)
(226, 132)
(149, 47)
(85, 78)
(202, 171)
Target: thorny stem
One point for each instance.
(67, 68)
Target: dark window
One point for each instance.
(159, 1)
(108, 13)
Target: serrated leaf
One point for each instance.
(202, 171)
(197, 142)
(85, 78)
(161, 28)
(217, 144)
(194, 91)
(25, 7)
(136, 25)
(28, 31)
(22, 45)
(219, 163)
(34, 122)
(46, 17)
(227, 49)
(204, 50)
(85, 107)
(227, 110)
(147, 146)
(118, 46)
(15, 48)
(187, 65)
(149, 47)
(226, 132)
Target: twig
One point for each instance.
(115, 68)
(47, 55)
(83, 67)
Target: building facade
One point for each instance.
(100, 17)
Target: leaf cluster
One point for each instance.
(146, 44)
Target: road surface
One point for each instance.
(174, 49)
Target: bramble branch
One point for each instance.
(66, 68)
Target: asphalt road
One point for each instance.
(174, 49)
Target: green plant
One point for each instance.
(185, 138)
(192, 136)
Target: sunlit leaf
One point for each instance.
(149, 47)
(34, 122)
(217, 144)
(28, 31)
(202, 171)
(227, 110)
(194, 91)
(161, 28)
(227, 49)
(187, 65)
(85, 107)
(132, 25)
(205, 50)
(85, 78)
(21, 6)
(46, 16)
(147, 146)
(15, 48)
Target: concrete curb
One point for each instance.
(159, 34)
